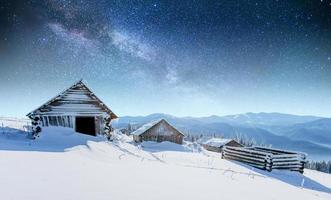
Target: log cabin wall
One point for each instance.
(65, 121)
(69, 122)
(99, 125)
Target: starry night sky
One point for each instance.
(194, 58)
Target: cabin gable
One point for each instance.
(159, 132)
(234, 143)
(77, 100)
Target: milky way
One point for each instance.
(177, 57)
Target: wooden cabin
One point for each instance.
(77, 107)
(158, 131)
(217, 144)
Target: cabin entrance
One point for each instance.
(85, 125)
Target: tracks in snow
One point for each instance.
(158, 159)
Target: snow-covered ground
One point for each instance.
(62, 164)
(14, 124)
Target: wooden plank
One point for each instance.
(242, 149)
(255, 164)
(245, 154)
(287, 164)
(280, 151)
(247, 159)
(289, 160)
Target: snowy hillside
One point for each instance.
(62, 164)
(311, 135)
(14, 123)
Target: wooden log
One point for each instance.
(107, 127)
(236, 157)
(36, 126)
(245, 154)
(245, 157)
(242, 149)
(254, 164)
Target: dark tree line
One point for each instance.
(321, 166)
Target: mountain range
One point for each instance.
(309, 134)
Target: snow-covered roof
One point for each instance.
(216, 142)
(149, 125)
(77, 92)
(145, 127)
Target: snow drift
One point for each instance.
(62, 164)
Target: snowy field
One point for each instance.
(13, 124)
(62, 164)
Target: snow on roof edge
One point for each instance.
(146, 127)
(108, 110)
(217, 142)
(149, 125)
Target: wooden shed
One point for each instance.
(77, 107)
(158, 131)
(217, 144)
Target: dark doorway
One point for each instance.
(85, 125)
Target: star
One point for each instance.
(219, 50)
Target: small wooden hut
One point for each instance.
(158, 131)
(217, 144)
(77, 107)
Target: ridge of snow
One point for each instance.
(216, 142)
(62, 164)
